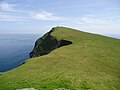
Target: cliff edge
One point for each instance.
(47, 43)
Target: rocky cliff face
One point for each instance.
(46, 44)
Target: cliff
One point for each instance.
(47, 43)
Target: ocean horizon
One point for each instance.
(14, 49)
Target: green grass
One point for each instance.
(92, 62)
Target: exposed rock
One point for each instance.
(63, 43)
(22, 63)
(60, 89)
(46, 44)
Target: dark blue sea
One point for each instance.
(14, 49)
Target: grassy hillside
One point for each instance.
(92, 62)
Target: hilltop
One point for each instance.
(89, 62)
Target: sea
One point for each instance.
(113, 35)
(15, 48)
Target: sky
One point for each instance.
(39, 16)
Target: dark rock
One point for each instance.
(0, 74)
(22, 63)
(46, 44)
(63, 43)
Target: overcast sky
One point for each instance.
(38, 16)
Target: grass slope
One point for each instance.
(92, 62)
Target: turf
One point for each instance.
(92, 62)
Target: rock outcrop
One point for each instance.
(46, 44)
